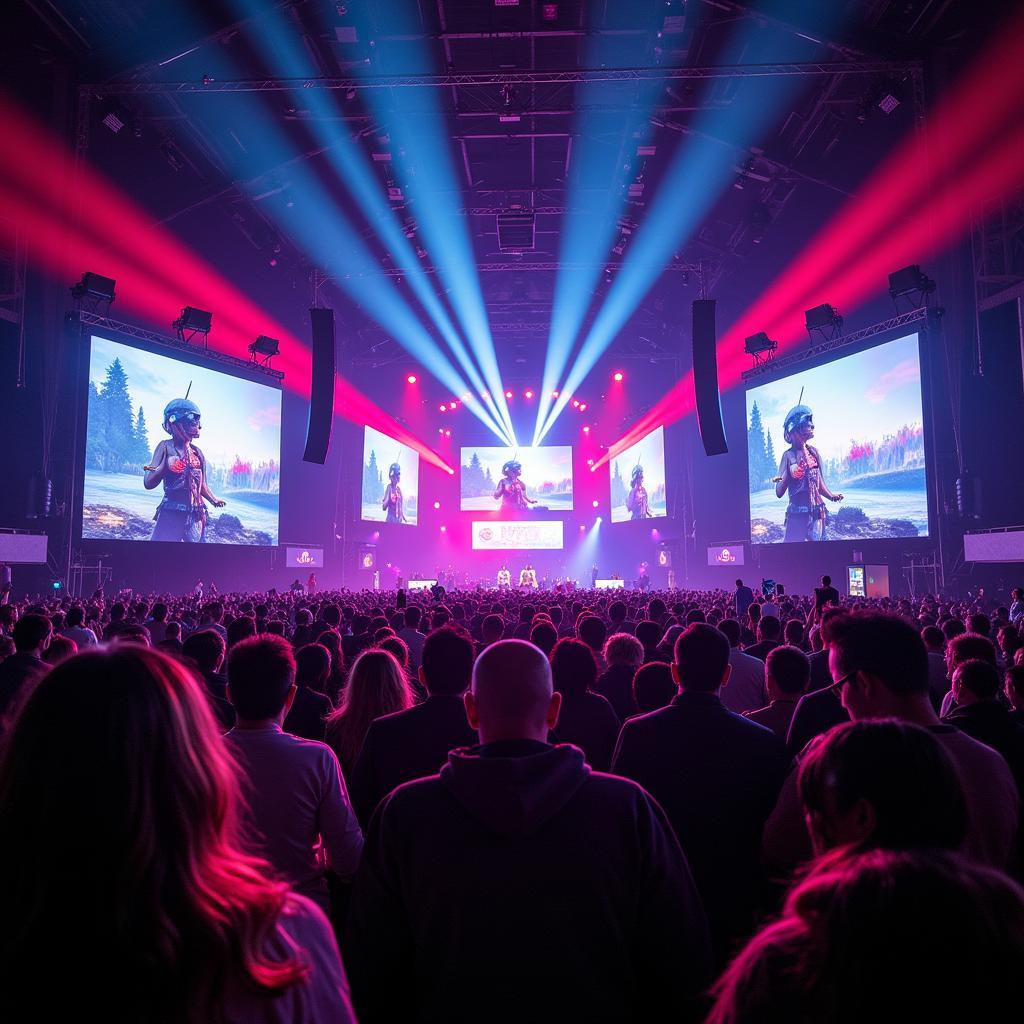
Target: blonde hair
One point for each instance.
(122, 860)
(376, 686)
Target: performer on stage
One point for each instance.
(800, 474)
(636, 501)
(181, 467)
(511, 491)
(392, 503)
(528, 577)
(311, 584)
(504, 578)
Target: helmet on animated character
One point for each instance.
(178, 409)
(797, 417)
(638, 475)
(394, 471)
(512, 468)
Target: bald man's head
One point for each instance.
(511, 696)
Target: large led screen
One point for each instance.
(391, 478)
(638, 479)
(516, 481)
(178, 452)
(850, 430)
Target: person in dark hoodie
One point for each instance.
(518, 885)
(409, 744)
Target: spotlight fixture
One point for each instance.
(595, 503)
(554, 394)
(528, 394)
(453, 405)
(447, 433)
(437, 504)
(443, 407)
(583, 406)
(586, 430)
(444, 529)
(575, 403)
(760, 347)
(411, 379)
(192, 323)
(508, 394)
(516, 230)
(824, 320)
(263, 349)
(617, 376)
(912, 284)
(94, 292)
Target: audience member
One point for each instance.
(307, 716)
(862, 938)
(745, 690)
(413, 743)
(205, 650)
(586, 719)
(60, 649)
(507, 831)
(717, 776)
(787, 672)
(297, 803)
(653, 686)
(1013, 689)
(623, 654)
(743, 600)
(964, 647)
(881, 783)
(412, 637)
(880, 666)
(150, 872)
(648, 632)
(31, 635)
(591, 631)
(75, 629)
(981, 713)
(377, 685)
(545, 636)
(769, 636)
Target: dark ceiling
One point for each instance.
(513, 145)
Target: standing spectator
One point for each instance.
(586, 719)
(1013, 689)
(1017, 606)
(745, 689)
(769, 636)
(307, 716)
(485, 841)
(591, 631)
(648, 632)
(653, 687)
(965, 647)
(786, 674)
(75, 629)
(623, 654)
(20, 670)
(824, 596)
(377, 686)
(206, 649)
(545, 636)
(60, 649)
(157, 623)
(297, 803)
(413, 743)
(171, 643)
(334, 643)
(743, 600)
(413, 638)
(240, 628)
(118, 747)
(717, 776)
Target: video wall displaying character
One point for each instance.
(517, 482)
(134, 393)
(180, 466)
(391, 496)
(643, 465)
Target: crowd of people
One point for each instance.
(356, 805)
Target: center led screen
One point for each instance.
(178, 452)
(517, 482)
(837, 452)
(638, 479)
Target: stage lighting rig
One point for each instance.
(912, 284)
(94, 293)
(516, 230)
(193, 323)
(760, 348)
(263, 349)
(825, 321)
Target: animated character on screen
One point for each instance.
(528, 577)
(181, 467)
(800, 474)
(637, 504)
(511, 490)
(504, 578)
(393, 503)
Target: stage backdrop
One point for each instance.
(868, 430)
(647, 455)
(380, 452)
(240, 439)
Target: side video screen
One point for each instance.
(391, 479)
(178, 452)
(837, 452)
(638, 480)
